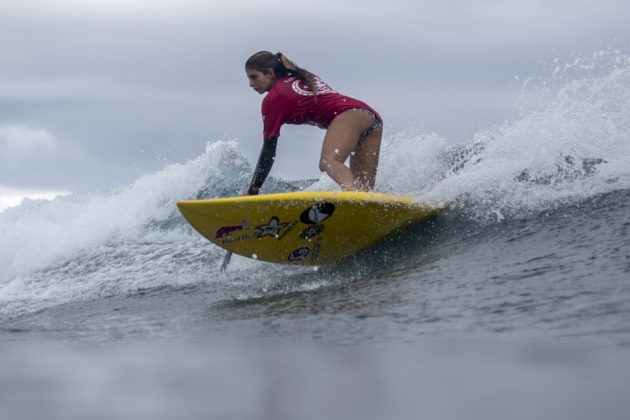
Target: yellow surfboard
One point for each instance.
(308, 228)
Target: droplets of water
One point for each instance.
(570, 145)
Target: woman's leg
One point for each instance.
(342, 138)
(364, 161)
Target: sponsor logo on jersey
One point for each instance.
(301, 88)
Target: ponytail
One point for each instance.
(264, 61)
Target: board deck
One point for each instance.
(308, 228)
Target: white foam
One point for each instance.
(11, 197)
(36, 235)
(576, 146)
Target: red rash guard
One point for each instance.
(290, 101)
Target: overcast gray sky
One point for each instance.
(94, 93)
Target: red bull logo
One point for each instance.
(226, 231)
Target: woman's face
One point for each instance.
(260, 81)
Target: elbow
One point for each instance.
(325, 162)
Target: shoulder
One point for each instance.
(283, 87)
(271, 102)
(278, 95)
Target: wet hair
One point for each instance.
(264, 61)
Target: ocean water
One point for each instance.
(513, 303)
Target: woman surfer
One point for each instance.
(297, 96)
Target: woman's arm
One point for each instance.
(263, 167)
